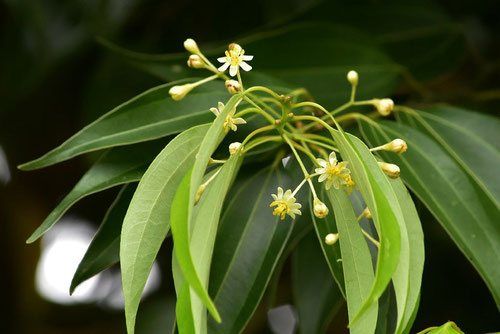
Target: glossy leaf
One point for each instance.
(182, 226)
(356, 263)
(104, 250)
(150, 115)
(448, 328)
(316, 295)
(118, 166)
(381, 200)
(147, 220)
(472, 139)
(205, 224)
(407, 278)
(249, 244)
(456, 201)
(331, 253)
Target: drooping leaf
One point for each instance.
(381, 200)
(206, 220)
(150, 115)
(104, 250)
(331, 253)
(356, 263)
(183, 225)
(457, 202)
(472, 139)
(147, 220)
(407, 278)
(316, 295)
(319, 58)
(249, 244)
(118, 166)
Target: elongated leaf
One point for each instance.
(147, 220)
(456, 201)
(356, 263)
(382, 202)
(332, 253)
(318, 58)
(182, 228)
(316, 295)
(249, 244)
(470, 138)
(104, 250)
(118, 166)
(448, 328)
(206, 221)
(150, 115)
(407, 278)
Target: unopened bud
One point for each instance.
(353, 78)
(195, 61)
(191, 46)
(367, 213)
(390, 170)
(234, 147)
(233, 86)
(320, 209)
(397, 146)
(331, 238)
(179, 92)
(384, 106)
(199, 192)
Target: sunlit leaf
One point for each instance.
(147, 220)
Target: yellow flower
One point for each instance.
(285, 204)
(230, 122)
(234, 59)
(335, 173)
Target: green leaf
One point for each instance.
(472, 139)
(150, 115)
(331, 253)
(316, 295)
(356, 263)
(118, 166)
(147, 220)
(407, 278)
(206, 220)
(448, 328)
(456, 201)
(249, 244)
(382, 202)
(312, 55)
(183, 224)
(104, 250)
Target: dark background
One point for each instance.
(55, 77)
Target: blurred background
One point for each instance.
(56, 75)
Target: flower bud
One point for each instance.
(384, 106)
(390, 170)
(179, 92)
(331, 238)
(191, 46)
(320, 209)
(353, 78)
(234, 147)
(195, 61)
(367, 213)
(199, 192)
(396, 146)
(233, 86)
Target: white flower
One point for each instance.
(335, 173)
(230, 122)
(285, 204)
(234, 59)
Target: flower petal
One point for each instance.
(245, 66)
(233, 70)
(224, 67)
(222, 59)
(247, 57)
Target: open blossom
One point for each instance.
(285, 204)
(234, 59)
(335, 173)
(230, 122)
